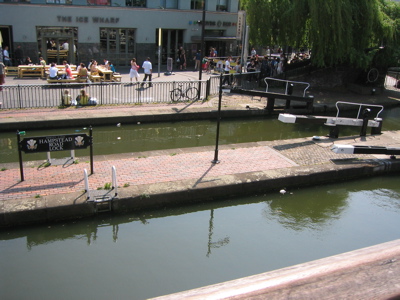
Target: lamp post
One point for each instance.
(202, 48)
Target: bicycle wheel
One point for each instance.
(191, 93)
(176, 94)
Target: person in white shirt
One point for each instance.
(65, 46)
(148, 68)
(6, 57)
(227, 68)
(53, 71)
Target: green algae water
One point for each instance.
(127, 138)
(137, 256)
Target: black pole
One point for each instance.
(202, 48)
(216, 161)
(91, 149)
(21, 167)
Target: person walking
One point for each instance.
(133, 73)
(227, 70)
(197, 60)
(148, 69)
(182, 58)
(6, 57)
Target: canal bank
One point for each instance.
(156, 179)
(159, 179)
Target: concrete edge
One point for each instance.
(367, 273)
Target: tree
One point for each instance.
(337, 31)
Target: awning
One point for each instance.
(213, 38)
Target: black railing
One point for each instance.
(117, 93)
(49, 95)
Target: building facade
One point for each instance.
(117, 30)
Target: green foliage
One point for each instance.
(337, 31)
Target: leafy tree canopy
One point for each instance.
(337, 31)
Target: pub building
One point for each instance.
(117, 30)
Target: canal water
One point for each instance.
(127, 138)
(137, 256)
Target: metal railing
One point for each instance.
(287, 84)
(117, 93)
(50, 95)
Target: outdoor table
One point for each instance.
(30, 71)
(105, 73)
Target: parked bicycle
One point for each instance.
(190, 93)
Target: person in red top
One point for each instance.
(68, 72)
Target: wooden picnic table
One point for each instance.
(105, 73)
(30, 71)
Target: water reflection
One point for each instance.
(314, 211)
(214, 244)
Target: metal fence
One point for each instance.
(117, 93)
(49, 95)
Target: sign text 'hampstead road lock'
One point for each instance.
(55, 143)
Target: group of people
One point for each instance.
(147, 69)
(81, 100)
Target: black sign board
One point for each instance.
(55, 143)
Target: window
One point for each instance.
(169, 4)
(59, 1)
(136, 3)
(196, 4)
(99, 2)
(117, 44)
(222, 5)
(20, 1)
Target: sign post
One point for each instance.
(21, 169)
(54, 143)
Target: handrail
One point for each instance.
(287, 84)
(359, 109)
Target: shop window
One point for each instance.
(117, 44)
(196, 4)
(222, 5)
(169, 4)
(58, 2)
(136, 3)
(99, 2)
(18, 1)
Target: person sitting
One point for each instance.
(83, 72)
(111, 67)
(84, 99)
(66, 98)
(93, 68)
(42, 62)
(28, 61)
(53, 71)
(68, 72)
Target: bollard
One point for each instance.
(290, 89)
(365, 122)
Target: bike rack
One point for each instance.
(102, 199)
